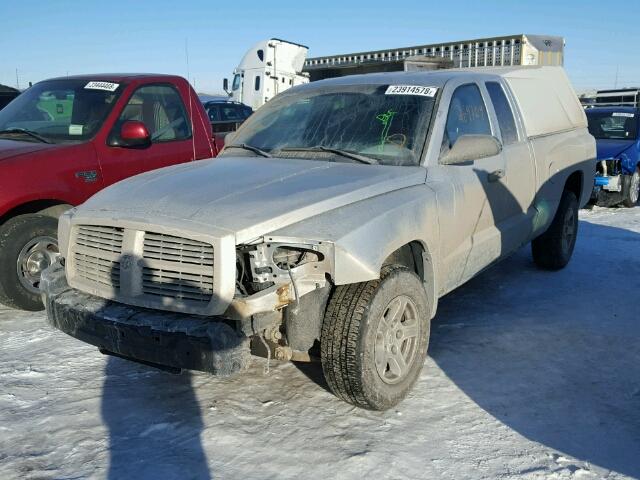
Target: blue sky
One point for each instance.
(52, 38)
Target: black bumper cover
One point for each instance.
(149, 336)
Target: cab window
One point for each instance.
(161, 109)
(467, 115)
(503, 112)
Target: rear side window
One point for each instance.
(503, 112)
(257, 83)
(467, 115)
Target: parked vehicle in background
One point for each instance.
(617, 133)
(619, 97)
(330, 227)
(7, 94)
(267, 69)
(272, 66)
(62, 140)
(226, 115)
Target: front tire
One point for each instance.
(374, 339)
(28, 245)
(631, 189)
(553, 249)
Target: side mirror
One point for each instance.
(134, 134)
(225, 85)
(471, 147)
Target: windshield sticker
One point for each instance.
(108, 86)
(75, 129)
(622, 114)
(386, 119)
(411, 90)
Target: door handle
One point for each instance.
(496, 175)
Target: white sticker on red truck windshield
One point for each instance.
(622, 114)
(75, 129)
(108, 86)
(411, 90)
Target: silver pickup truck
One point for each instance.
(330, 225)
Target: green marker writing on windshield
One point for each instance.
(386, 119)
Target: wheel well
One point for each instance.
(574, 184)
(51, 208)
(409, 255)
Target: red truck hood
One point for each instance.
(14, 148)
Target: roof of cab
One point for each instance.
(117, 77)
(546, 99)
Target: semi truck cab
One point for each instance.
(268, 68)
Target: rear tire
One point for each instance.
(374, 338)
(553, 249)
(631, 189)
(28, 245)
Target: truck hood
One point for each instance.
(15, 148)
(247, 196)
(612, 148)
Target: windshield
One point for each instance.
(236, 82)
(60, 110)
(359, 119)
(613, 125)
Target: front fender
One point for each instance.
(365, 233)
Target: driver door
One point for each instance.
(474, 192)
(162, 110)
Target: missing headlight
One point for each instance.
(291, 257)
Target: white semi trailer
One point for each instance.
(274, 65)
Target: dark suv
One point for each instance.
(226, 115)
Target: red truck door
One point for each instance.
(161, 108)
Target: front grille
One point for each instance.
(108, 239)
(175, 284)
(170, 270)
(98, 270)
(175, 249)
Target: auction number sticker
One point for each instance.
(108, 86)
(75, 129)
(411, 90)
(622, 114)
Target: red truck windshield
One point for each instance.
(58, 111)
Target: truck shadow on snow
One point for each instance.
(154, 423)
(554, 355)
(153, 419)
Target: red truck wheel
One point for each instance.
(28, 245)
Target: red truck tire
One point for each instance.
(28, 245)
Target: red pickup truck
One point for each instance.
(64, 139)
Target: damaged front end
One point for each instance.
(282, 287)
(165, 340)
(143, 307)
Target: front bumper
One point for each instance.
(165, 339)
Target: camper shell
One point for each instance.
(297, 251)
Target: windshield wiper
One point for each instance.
(26, 132)
(251, 148)
(336, 151)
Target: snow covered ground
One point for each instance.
(531, 374)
